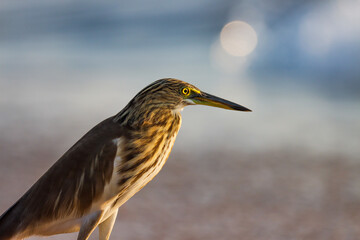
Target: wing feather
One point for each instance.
(70, 186)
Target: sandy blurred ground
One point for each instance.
(280, 194)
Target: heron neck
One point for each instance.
(146, 149)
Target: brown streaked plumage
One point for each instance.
(107, 166)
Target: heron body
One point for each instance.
(107, 166)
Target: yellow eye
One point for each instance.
(185, 91)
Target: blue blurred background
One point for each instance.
(66, 65)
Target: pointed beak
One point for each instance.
(211, 100)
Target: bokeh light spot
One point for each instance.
(238, 38)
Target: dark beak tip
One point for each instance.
(243, 109)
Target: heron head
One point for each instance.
(176, 94)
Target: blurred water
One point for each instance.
(62, 61)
